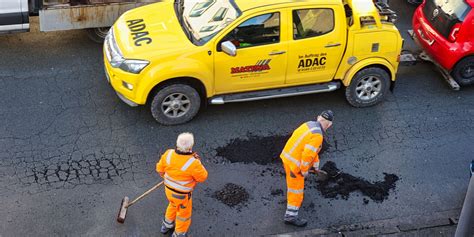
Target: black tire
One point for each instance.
(168, 95)
(463, 72)
(374, 92)
(97, 34)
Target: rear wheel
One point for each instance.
(97, 34)
(463, 72)
(368, 87)
(175, 104)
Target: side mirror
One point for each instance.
(229, 48)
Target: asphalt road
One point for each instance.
(70, 150)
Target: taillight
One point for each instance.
(454, 32)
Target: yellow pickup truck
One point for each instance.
(177, 56)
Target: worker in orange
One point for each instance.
(181, 170)
(300, 155)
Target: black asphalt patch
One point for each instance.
(232, 195)
(342, 184)
(259, 149)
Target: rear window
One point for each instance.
(309, 23)
(444, 14)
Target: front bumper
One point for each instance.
(116, 77)
(123, 98)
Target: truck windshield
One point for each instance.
(201, 20)
(443, 15)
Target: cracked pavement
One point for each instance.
(70, 150)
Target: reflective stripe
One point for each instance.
(308, 146)
(304, 163)
(177, 181)
(290, 158)
(292, 207)
(312, 128)
(188, 163)
(168, 157)
(287, 213)
(291, 210)
(314, 124)
(177, 186)
(296, 191)
(183, 219)
(178, 196)
(168, 223)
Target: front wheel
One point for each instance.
(98, 34)
(463, 72)
(368, 87)
(175, 104)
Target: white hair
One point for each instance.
(185, 142)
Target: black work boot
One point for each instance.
(164, 230)
(296, 221)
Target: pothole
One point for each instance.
(343, 184)
(259, 149)
(232, 195)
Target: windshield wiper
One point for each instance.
(179, 12)
(190, 30)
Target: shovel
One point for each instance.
(322, 175)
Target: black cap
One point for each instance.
(328, 115)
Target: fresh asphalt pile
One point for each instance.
(266, 150)
(259, 149)
(342, 184)
(232, 195)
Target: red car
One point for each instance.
(445, 30)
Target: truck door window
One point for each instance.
(259, 30)
(312, 22)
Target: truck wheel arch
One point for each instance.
(370, 62)
(191, 81)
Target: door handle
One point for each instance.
(332, 45)
(277, 52)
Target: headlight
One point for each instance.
(116, 61)
(133, 65)
(114, 55)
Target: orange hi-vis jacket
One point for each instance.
(181, 171)
(301, 150)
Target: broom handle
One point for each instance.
(146, 193)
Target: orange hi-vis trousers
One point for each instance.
(179, 212)
(295, 191)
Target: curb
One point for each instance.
(394, 226)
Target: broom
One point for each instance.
(125, 204)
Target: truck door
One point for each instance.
(316, 45)
(14, 16)
(261, 57)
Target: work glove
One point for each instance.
(316, 166)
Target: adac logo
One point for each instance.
(261, 65)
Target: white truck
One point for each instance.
(96, 16)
